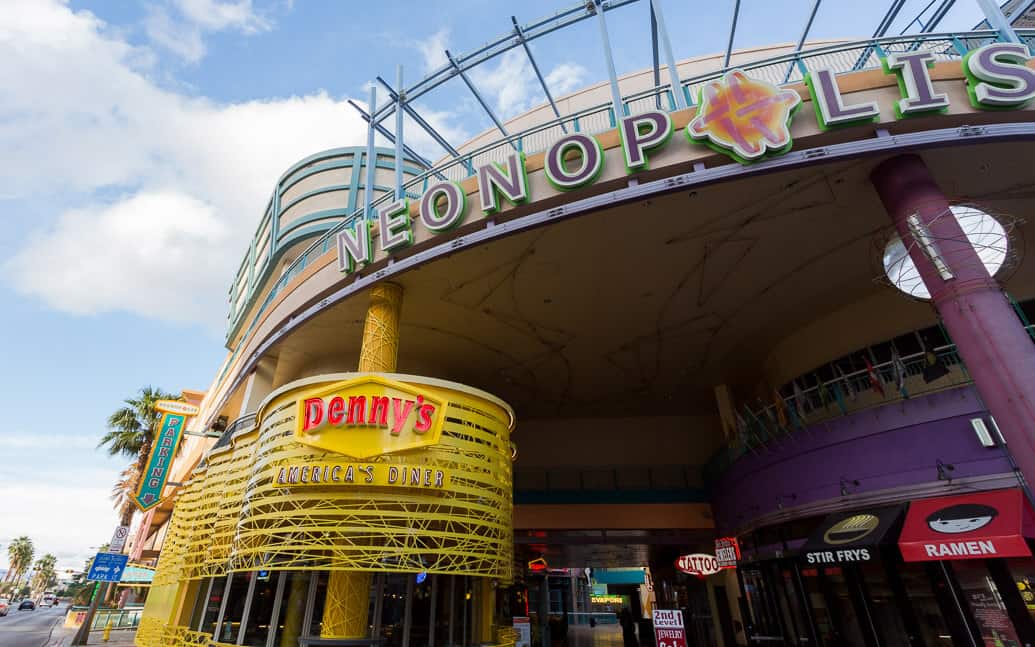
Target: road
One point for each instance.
(29, 628)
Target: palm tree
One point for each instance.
(131, 432)
(44, 575)
(19, 554)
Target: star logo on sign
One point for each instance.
(744, 117)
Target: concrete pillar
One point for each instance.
(996, 349)
(345, 606)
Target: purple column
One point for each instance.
(998, 352)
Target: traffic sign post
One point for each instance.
(118, 540)
(668, 628)
(106, 568)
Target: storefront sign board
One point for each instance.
(699, 564)
(746, 118)
(163, 452)
(523, 626)
(668, 628)
(847, 537)
(727, 552)
(331, 473)
(107, 567)
(369, 416)
(970, 526)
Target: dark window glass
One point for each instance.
(393, 608)
(212, 605)
(883, 609)
(986, 605)
(261, 612)
(847, 623)
(318, 601)
(235, 599)
(926, 604)
(292, 609)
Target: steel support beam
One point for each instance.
(670, 60)
(939, 14)
(478, 95)
(882, 28)
(733, 32)
(801, 41)
(399, 101)
(420, 120)
(612, 76)
(538, 73)
(654, 54)
(994, 14)
(368, 188)
(387, 134)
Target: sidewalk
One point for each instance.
(62, 637)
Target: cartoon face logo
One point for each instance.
(965, 517)
(744, 117)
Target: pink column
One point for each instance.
(998, 352)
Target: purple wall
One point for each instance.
(885, 447)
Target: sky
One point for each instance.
(140, 140)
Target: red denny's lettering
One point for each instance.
(394, 414)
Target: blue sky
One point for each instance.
(139, 140)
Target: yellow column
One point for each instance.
(348, 593)
(294, 609)
(380, 349)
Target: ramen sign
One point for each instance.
(369, 416)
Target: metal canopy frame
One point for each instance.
(538, 73)
(733, 33)
(804, 35)
(477, 95)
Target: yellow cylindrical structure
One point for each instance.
(380, 350)
(345, 608)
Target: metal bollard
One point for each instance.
(107, 630)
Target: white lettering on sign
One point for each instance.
(836, 556)
(958, 548)
(699, 564)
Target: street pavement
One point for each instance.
(30, 628)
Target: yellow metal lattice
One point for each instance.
(231, 518)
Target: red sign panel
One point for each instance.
(727, 552)
(699, 564)
(668, 628)
(969, 526)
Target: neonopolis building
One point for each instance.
(743, 336)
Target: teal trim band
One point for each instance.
(310, 217)
(326, 189)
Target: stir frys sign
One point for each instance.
(163, 451)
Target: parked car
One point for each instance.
(5, 606)
(27, 604)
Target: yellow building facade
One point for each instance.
(349, 493)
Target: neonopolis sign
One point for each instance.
(745, 118)
(369, 416)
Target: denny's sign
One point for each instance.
(369, 416)
(745, 118)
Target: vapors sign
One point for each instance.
(737, 115)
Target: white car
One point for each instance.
(5, 606)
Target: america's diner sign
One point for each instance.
(746, 118)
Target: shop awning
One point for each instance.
(851, 536)
(968, 526)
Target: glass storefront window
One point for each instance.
(213, 604)
(848, 629)
(986, 605)
(928, 609)
(260, 613)
(884, 610)
(236, 596)
(199, 603)
(316, 619)
(291, 614)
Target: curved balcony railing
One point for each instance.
(760, 427)
(841, 57)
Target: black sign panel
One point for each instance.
(852, 536)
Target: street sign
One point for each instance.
(118, 540)
(668, 629)
(163, 451)
(107, 567)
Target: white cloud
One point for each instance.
(566, 77)
(216, 16)
(180, 38)
(79, 121)
(180, 28)
(433, 50)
